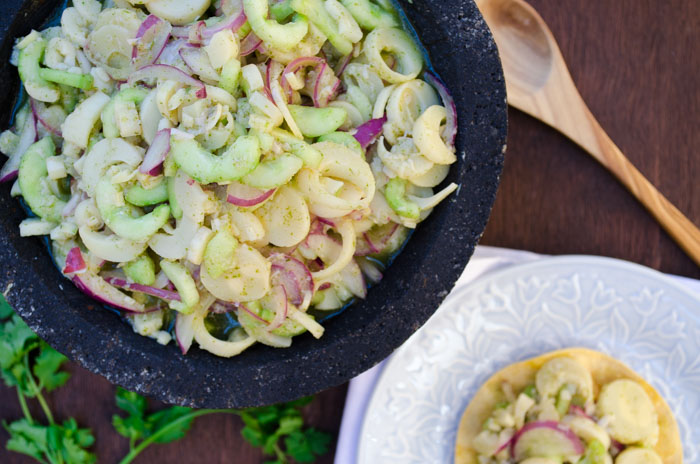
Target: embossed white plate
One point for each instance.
(628, 311)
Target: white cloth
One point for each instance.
(485, 260)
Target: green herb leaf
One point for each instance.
(161, 419)
(5, 309)
(307, 445)
(46, 368)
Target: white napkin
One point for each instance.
(486, 259)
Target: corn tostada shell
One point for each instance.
(603, 369)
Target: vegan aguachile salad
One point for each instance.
(227, 172)
(574, 406)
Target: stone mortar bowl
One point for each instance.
(465, 56)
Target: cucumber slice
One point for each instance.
(183, 281)
(80, 81)
(29, 72)
(632, 414)
(557, 372)
(343, 138)
(139, 196)
(33, 181)
(175, 208)
(230, 76)
(315, 122)
(205, 167)
(281, 36)
(395, 194)
(142, 270)
(119, 218)
(220, 253)
(634, 455)
(281, 11)
(596, 454)
(308, 154)
(316, 12)
(370, 15)
(108, 116)
(546, 439)
(274, 173)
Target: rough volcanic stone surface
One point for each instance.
(464, 54)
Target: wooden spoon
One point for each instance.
(538, 83)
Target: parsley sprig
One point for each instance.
(33, 367)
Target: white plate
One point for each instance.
(628, 311)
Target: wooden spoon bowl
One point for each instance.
(538, 83)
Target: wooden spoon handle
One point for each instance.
(680, 228)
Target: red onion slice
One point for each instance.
(245, 196)
(233, 22)
(37, 109)
(184, 332)
(376, 239)
(151, 39)
(278, 297)
(294, 276)
(75, 264)
(448, 101)
(296, 65)
(98, 289)
(343, 64)
(250, 43)
(156, 154)
(252, 314)
(171, 52)
(325, 87)
(148, 290)
(167, 72)
(198, 62)
(368, 132)
(567, 440)
(27, 138)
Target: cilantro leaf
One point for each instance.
(5, 309)
(46, 368)
(306, 445)
(161, 419)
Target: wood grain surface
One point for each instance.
(635, 63)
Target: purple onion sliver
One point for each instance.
(250, 43)
(448, 101)
(252, 314)
(368, 132)
(156, 154)
(36, 110)
(148, 290)
(234, 23)
(74, 262)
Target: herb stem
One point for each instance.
(148, 441)
(37, 391)
(23, 405)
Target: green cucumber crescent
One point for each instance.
(282, 36)
(29, 72)
(119, 218)
(33, 181)
(395, 194)
(206, 168)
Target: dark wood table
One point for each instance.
(635, 63)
